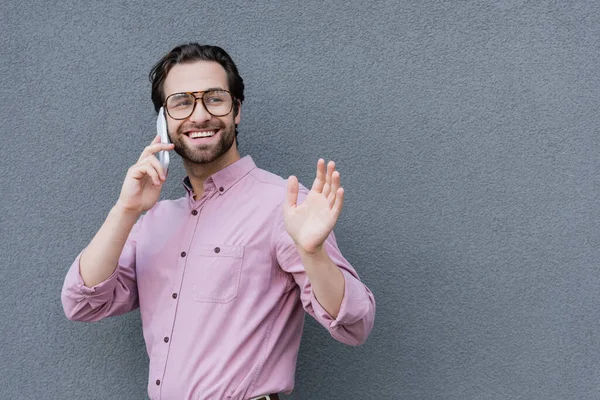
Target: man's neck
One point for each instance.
(198, 173)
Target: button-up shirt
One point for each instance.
(221, 290)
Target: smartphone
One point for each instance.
(161, 130)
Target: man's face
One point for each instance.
(216, 135)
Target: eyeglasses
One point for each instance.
(218, 102)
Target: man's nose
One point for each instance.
(200, 114)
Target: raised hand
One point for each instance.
(309, 223)
(144, 180)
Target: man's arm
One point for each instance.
(140, 192)
(101, 281)
(354, 320)
(325, 278)
(100, 258)
(340, 300)
(309, 224)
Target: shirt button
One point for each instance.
(166, 340)
(183, 254)
(217, 250)
(174, 295)
(194, 212)
(221, 189)
(157, 382)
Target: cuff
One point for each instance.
(76, 289)
(352, 307)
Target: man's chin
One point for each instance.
(200, 157)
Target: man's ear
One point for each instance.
(238, 112)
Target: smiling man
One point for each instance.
(223, 275)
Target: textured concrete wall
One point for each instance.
(468, 136)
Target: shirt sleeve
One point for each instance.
(115, 296)
(357, 312)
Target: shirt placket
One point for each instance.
(171, 313)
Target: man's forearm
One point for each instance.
(326, 280)
(100, 259)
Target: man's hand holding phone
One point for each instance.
(144, 180)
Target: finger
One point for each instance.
(292, 191)
(327, 186)
(320, 179)
(335, 184)
(146, 169)
(156, 140)
(154, 148)
(157, 166)
(339, 203)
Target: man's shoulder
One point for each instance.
(267, 178)
(269, 181)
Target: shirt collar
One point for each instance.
(224, 179)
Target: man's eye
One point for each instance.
(214, 100)
(179, 103)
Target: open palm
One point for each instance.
(310, 222)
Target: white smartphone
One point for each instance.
(161, 130)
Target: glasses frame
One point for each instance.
(199, 95)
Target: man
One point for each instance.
(223, 275)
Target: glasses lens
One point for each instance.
(180, 105)
(217, 102)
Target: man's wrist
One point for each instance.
(317, 252)
(123, 212)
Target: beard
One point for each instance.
(201, 153)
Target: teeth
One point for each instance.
(195, 135)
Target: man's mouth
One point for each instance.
(201, 134)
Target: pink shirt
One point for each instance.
(221, 290)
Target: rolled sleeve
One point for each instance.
(356, 316)
(354, 305)
(114, 296)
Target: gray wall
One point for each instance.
(468, 136)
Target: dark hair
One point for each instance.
(191, 52)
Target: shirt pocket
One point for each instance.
(215, 273)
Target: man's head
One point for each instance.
(182, 79)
